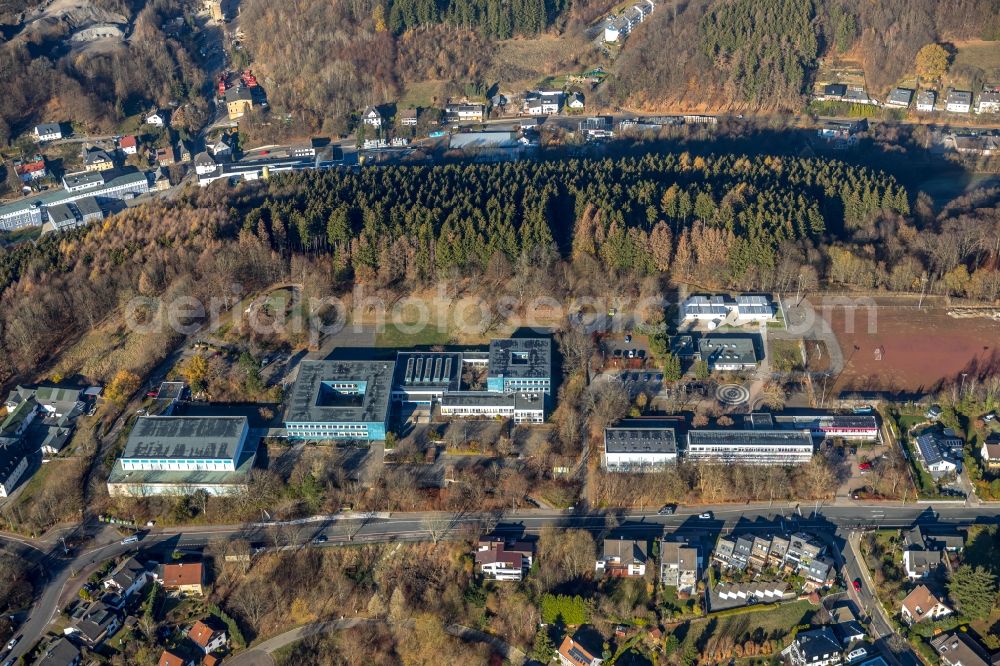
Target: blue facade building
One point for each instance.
(346, 400)
(520, 364)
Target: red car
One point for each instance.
(857, 584)
(865, 466)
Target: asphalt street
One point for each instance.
(62, 576)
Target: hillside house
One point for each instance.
(127, 578)
(680, 566)
(988, 102)
(900, 98)
(129, 145)
(623, 557)
(498, 559)
(576, 101)
(926, 100)
(372, 116)
(543, 102)
(48, 132)
(156, 119)
(958, 101)
(990, 454)
(182, 577)
(464, 112)
(14, 461)
(921, 604)
(239, 101)
(832, 92)
(573, 653)
(408, 117)
(29, 170)
(97, 159)
(207, 636)
(816, 647)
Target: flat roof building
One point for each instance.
(637, 446)
(728, 353)
(522, 407)
(423, 377)
(750, 447)
(520, 364)
(340, 400)
(174, 455)
(858, 427)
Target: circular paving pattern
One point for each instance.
(732, 394)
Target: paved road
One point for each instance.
(62, 576)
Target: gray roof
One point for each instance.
(959, 97)
(312, 400)
(89, 206)
(201, 437)
(960, 648)
(516, 400)
(521, 358)
(12, 452)
(817, 642)
(934, 446)
(640, 439)
(467, 140)
(59, 653)
(60, 214)
(834, 89)
(725, 351)
(239, 94)
(84, 179)
(48, 128)
(111, 178)
(95, 155)
(419, 370)
(901, 96)
(627, 550)
(755, 437)
(926, 97)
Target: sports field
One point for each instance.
(900, 348)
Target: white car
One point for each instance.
(12, 642)
(706, 516)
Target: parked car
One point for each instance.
(706, 516)
(132, 539)
(857, 584)
(628, 338)
(12, 642)
(667, 510)
(865, 466)
(320, 539)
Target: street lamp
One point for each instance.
(961, 390)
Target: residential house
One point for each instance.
(816, 647)
(960, 649)
(48, 132)
(161, 180)
(819, 572)
(169, 658)
(940, 451)
(926, 100)
(623, 557)
(680, 566)
(96, 622)
(990, 454)
(14, 462)
(988, 102)
(543, 102)
(239, 100)
(933, 413)
(778, 551)
(576, 101)
(858, 95)
(598, 127)
(372, 116)
(900, 98)
(573, 653)
(59, 652)
(734, 595)
(156, 119)
(802, 549)
(408, 117)
(165, 156)
(832, 92)
(203, 163)
(207, 637)
(724, 549)
(759, 552)
(182, 577)
(127, 578)
(29, 170)
(498, 559)
(921, 604)
(924, 538)
(841, 131)
(97, 159)
(958, 101)
(846, 625)
(464, 112)
(742, 551)
(129, 145)
(920, 563)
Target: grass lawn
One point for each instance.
(424, 94)
(977, 53)
(20, 235)
(392, 336)
(774, 623)
(786, 355)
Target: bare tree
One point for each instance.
(253, 602)
(437, 526)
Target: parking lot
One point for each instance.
(625, 352)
